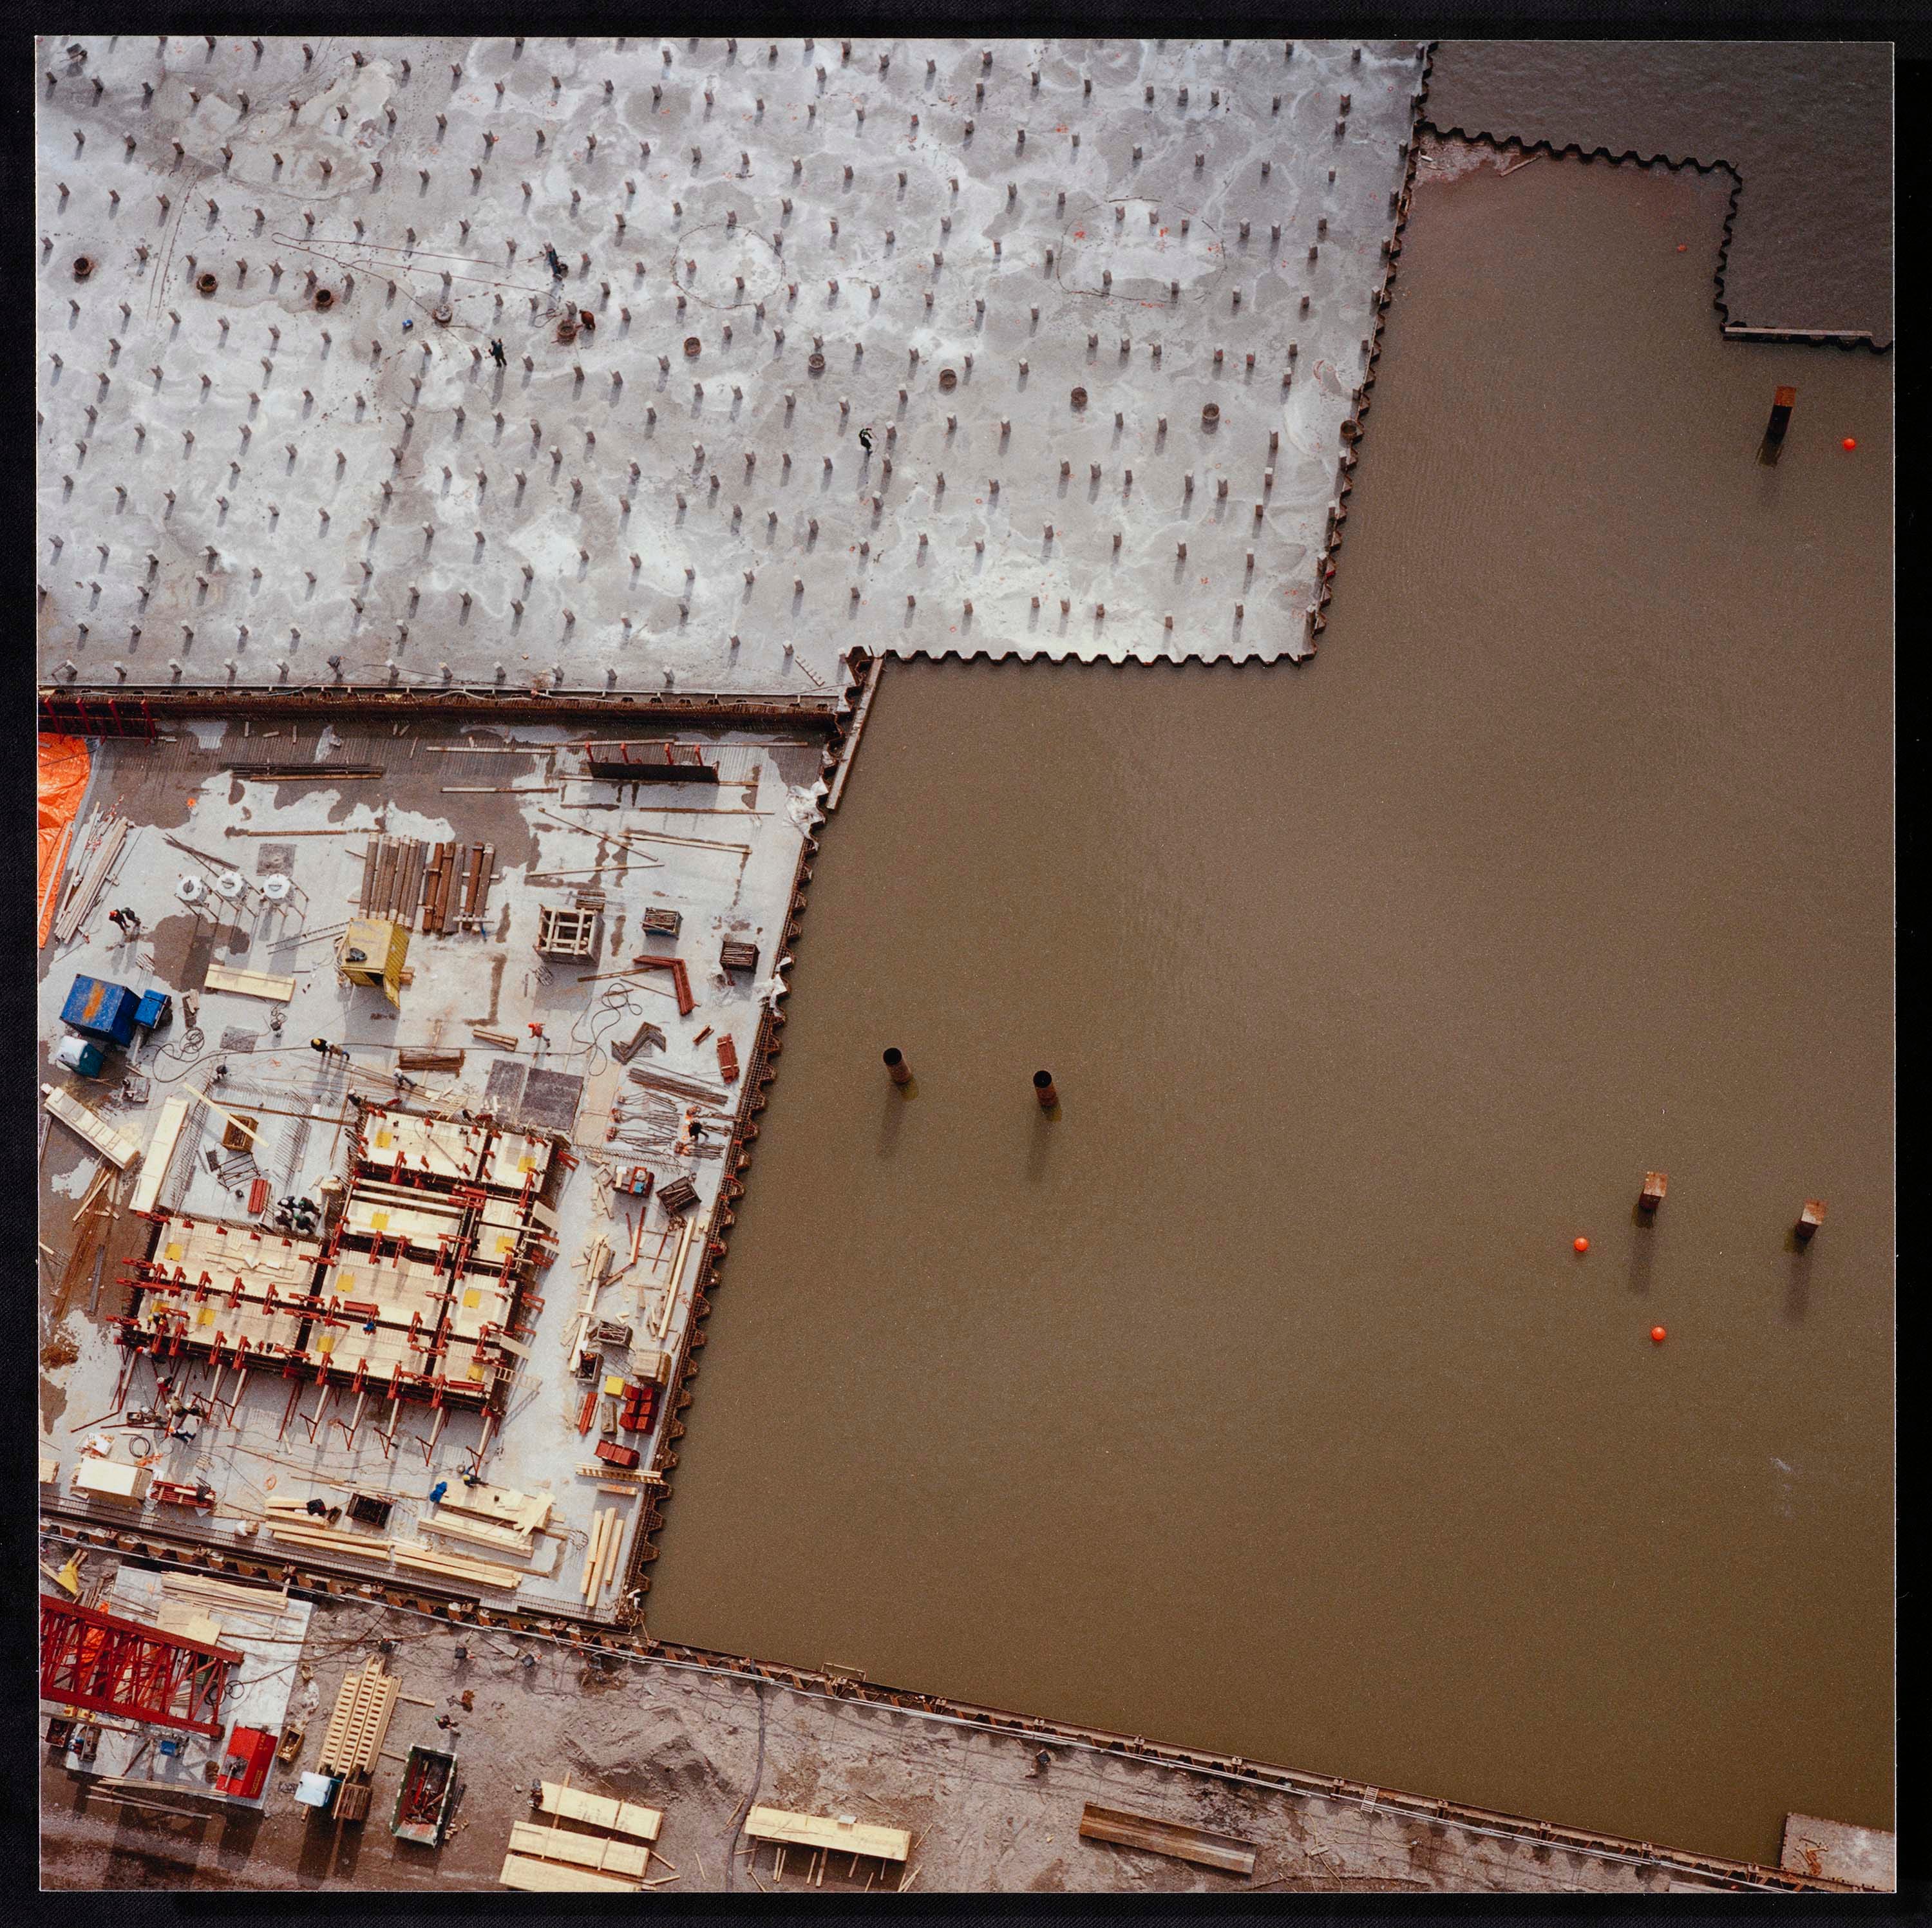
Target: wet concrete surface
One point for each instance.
(1806, 125)
(962, 236)
(1260, 1401)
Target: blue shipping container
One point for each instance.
(101, 1009)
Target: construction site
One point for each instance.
(493, 501)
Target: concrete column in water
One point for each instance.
(1043, 1089)
(896, 1067)
(1782, 402)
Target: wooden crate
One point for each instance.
(566, 934)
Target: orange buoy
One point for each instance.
(1657, 1335)
(1851, 441)
(1583, 1244)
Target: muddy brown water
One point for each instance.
(1260, 1402)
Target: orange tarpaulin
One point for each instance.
(64, 770)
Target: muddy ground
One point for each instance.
(984, 1815)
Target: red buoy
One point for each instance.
(1657, 1335)
(1583, 1244)
(1851, 441)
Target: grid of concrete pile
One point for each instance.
(1101, 309)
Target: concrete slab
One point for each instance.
(269, 1637)
(1865, 1857)
(1027, 268)
(722, 855)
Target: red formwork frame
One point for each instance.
(106, 1665)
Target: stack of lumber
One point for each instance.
(429, 1057)
(533, 1876)
(601, 1853)
(1227, 1852)
(361, 1722)
(100, 846)
(501, 1505)
(289, 1519)
(454, 1568)
(555, 1858)
(599, 1810)
(392, 878)
(91, 1217)
(601, 1566)
(448, 1525)
(116, 1146)
(456, 887)
(168, 1129)
(595, 1469)
(277, 989)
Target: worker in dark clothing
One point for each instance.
(556, 265)
(129, 923)
(497, 355)
(318, 1507)
(865, 440)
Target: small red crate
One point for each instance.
(613, 1454)
(258, 1196)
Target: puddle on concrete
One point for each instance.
(1260, 1402)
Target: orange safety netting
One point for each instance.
(63, 771)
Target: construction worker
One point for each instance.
(556, 267)
(497, 355)
(865, 440)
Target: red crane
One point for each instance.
(108, 1664)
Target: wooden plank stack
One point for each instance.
(392, 878)
(361, 1722)
(1227, 1852)
(455, 1569)
(249, 983)
(116, 1146)
(588, 1858)
(100, 846)
(455, 891)
(601, 1566)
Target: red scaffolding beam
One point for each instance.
(108, 1664)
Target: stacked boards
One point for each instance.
(601, 1564)
(361, 1722)
(606, 1850)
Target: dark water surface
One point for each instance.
(1260, 1403)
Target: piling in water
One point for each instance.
(1781, 403)
(1043, 1089)
(896, 1067)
